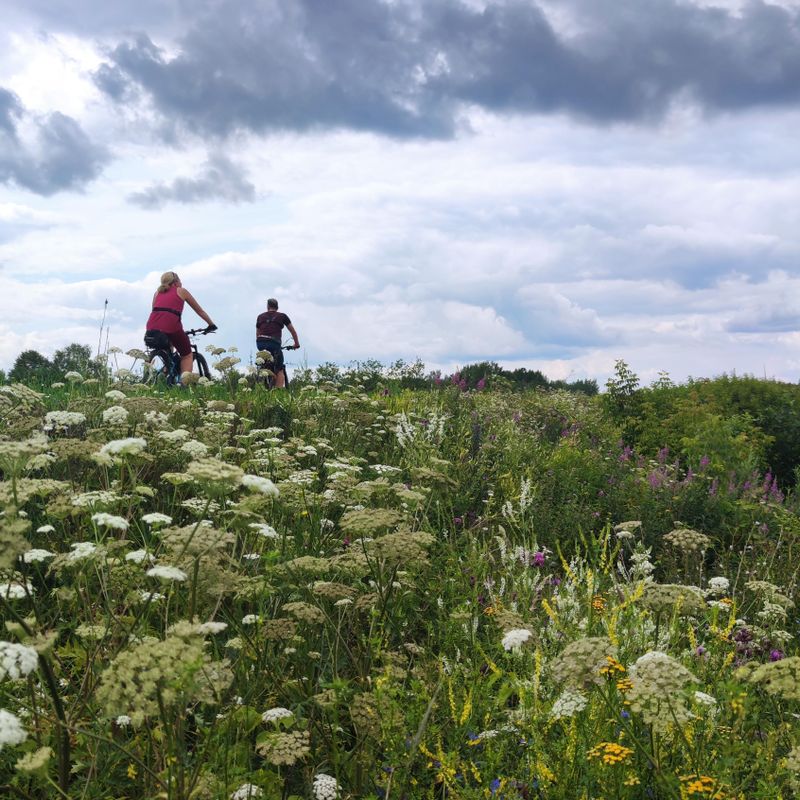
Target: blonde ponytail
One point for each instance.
(167, 279)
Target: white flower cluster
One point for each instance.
(267, 531)
(247, 791)
(115, 415)
(81, 550)
(178, 435)
(194, 449)
(131, 446)
(110, 521)
(274, 714)
(514, 639)
(167, 573)
(156, 519)
(325, 787)
(115, 394)
(256, 483)
(718, 586)
(17, 661)
(11, 730)
(36, 555)
(63, 420)
(568, 704)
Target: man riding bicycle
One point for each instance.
(269, 331)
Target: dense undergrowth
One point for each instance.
(228, 592)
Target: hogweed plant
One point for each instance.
(330, 593)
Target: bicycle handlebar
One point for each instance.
(201, 331)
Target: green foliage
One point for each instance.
(32, 368)
(417, 592)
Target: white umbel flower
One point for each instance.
(110, 521)
(36, 555)
(256, 483)
(247, 791)
(167, 573)
(514, 639)
(131, 446)
(156, 519)
(274, 714)
(325, 787)
(17, 661)
(11, 730)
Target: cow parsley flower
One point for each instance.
(247, 791)
(138, 556)
(568, 704)
(167, 573)
(274, 714)
(36, 555)
(115, 394)
(110, 521)
(211, 627)
(515, 638)
(325, 787)
(81, 550)
(155, 519)
(15, 590)
(115, 415)
(719, 585)
(11, 730)
(256, 483)
(131, 446)
(17, 660)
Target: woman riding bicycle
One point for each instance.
(269, 330)
(164, 321)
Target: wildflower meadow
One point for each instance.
(358, 589)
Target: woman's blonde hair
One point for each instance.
(167, 279)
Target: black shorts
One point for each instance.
(274, 347)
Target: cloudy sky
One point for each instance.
(553, 184)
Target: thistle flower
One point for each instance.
(167, 573)
(17, 661)
(11, 730)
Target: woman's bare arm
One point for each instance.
(186, 295)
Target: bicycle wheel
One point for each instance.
(158, 369)
(202, 365)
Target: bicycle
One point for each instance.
(266, 376)
(163, 366)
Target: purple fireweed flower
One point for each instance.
(712, 490)
(626, 454)
(655, 480)
(538, 559)
(663, 455)
(481, 384)
(704, 462)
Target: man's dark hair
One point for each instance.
(272, 303)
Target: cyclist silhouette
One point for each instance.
(269, 330)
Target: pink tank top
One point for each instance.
(169, 320)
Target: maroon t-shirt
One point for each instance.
(271, 324)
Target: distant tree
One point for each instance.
(3, 378)
(74, 357)
(31, 367)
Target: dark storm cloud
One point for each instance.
(406, 69)
(220, 179)
(62, 156)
